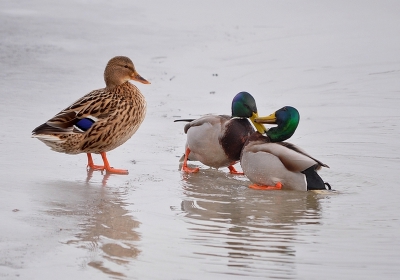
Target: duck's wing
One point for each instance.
(301, 151)
(207, 119)
(81, 115)
(293, 158)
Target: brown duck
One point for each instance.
(101, 120)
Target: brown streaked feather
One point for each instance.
(98, 103)
(119, 111)
(61, 123)
(48, 128)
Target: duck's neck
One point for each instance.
(283, 131)
(114, 86)
(113, 78)
(126, 90)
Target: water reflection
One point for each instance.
(107, 230)
(105, 175)
(246, 232)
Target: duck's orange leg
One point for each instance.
(91, 165)
(185, 168)
(110, 169)
(232, 170)
(106, 165)
(278, 186)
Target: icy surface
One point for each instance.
(337, 62)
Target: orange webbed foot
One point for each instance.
(95, 167)
(232, 170)
(278, 186)
(190, 170)
(112, 170)
(185, 168)
(109, 170)
(91, 165)
(106, 166)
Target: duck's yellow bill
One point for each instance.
(271, 119)
(259, 126)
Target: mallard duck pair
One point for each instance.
(221, 141)
(101, 120)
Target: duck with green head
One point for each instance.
(217, 140)
(272, 164)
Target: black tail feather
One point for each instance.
(184, 120)
(314, 181)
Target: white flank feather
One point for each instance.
(48, 138)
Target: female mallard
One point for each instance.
(217, 141)
(271, 165)
(101, 120)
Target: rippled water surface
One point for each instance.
(337, 63)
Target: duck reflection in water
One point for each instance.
(105, 175)
(257, 230)
(108, 230)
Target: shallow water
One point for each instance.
(336, 63)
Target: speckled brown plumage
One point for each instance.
(115, 113)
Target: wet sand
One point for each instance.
(337, 63)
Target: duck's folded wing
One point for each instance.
(301, 151)
(62, 123)
(211, 119)
(291, 158)
(92, 107)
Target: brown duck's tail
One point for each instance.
(49, 129)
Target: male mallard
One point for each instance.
(271, 165)
(101, 120)
(217, 140)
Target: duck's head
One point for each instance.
(119, 70)
(244, 106)
(287, 119)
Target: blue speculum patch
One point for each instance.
(84, 124)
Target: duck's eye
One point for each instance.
(126, 66)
